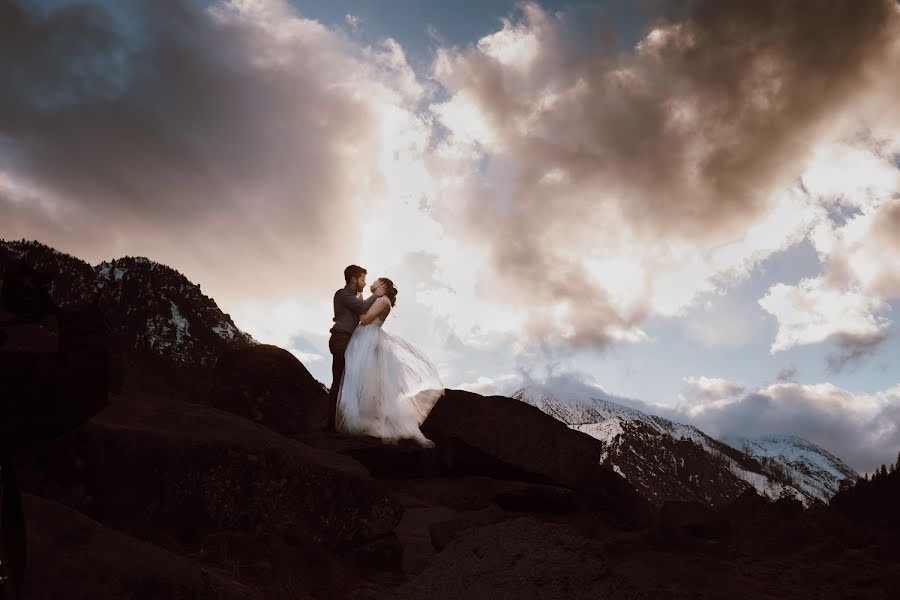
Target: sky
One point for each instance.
(689, 206)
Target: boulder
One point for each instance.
(507, 439)
(269, 385)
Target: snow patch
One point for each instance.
(604, 430)
(225, 331)
(182, 327)
(818, 473)
(764, 486)
(105, 270)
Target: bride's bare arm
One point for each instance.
(374, 310)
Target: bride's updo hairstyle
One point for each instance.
(389, 290)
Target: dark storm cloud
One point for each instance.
(223, 141)
(763, 74)
(688, 135)
(111, 123)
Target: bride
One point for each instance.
(389, 386)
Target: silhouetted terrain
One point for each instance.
(209, 476)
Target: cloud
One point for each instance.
(353, 21)
(491, 386)
(853, 350)
(861, 275)
(572, 385)
(618, 186)
(702, 390)
(812, 311)
(236, 141)
(788, 373)
(863, 429)
(305, 351)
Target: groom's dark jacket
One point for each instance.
(348, 308)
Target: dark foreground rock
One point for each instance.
(78, 558)
(156, 484)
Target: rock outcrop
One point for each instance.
(502, 437)
(267, 384)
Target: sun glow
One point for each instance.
(623, 278)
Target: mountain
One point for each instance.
(156, 313)
(221, 483)
(668, 460)
(160, 322)
(815, 471)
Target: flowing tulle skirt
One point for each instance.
(388, 388)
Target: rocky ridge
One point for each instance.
(156, 312)
(673, 461)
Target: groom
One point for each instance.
(348, 306)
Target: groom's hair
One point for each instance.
(353, 271)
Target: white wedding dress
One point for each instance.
(388, 388)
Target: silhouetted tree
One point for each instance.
(883, 472)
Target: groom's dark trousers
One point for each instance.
(337, 345)
(347, 309)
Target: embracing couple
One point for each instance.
(382, 385)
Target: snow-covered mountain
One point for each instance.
(156, 312)
(815, 471)
(668, 460)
